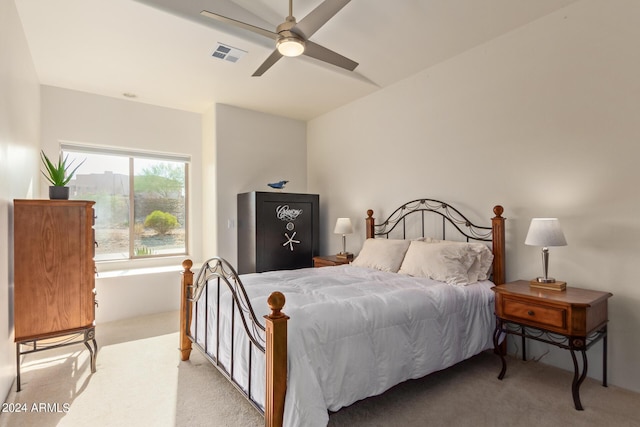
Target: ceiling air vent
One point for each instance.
(228, 53)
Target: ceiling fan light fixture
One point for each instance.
(290, 46)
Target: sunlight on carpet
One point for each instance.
(125, 390)
(135, 380)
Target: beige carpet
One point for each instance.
(140, 382)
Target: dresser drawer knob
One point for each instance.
(530, 313)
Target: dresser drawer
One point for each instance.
(531, 313)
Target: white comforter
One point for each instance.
(356, 332)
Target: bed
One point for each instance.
(414, 301)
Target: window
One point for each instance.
(141, 200)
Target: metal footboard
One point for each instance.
(213, 277)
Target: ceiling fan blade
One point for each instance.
(323, 54)
(272, 59)
(239, 24)
(318, 17)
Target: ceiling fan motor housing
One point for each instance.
(289, 44)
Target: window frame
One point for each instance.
(131, 155)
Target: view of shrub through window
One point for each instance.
(152, 222)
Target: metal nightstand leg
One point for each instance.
(524, 344)
(604, 356)
(578, 377)
(496, 346)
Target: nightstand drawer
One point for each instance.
(529, 313)
(329, 261)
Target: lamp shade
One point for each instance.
(545, 232)
(343, 226)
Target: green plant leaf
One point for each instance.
(57, 174)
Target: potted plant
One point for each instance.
(58, 175)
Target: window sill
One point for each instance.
(109, 269)
(138, 271)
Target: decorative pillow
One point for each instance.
(443, 262)
(484, 261)
(480, 268)
(382, 254)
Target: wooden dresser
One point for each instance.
(54, 271)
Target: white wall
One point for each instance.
(253, 149)
(125, 294)
(19, 144)
(82, 117)
(543, 120)
(209, 180)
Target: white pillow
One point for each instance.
(448, 263)
(382, 254)
(480, 269)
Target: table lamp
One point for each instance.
(344, 227)
(546, 232)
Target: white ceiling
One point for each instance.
(160, 50)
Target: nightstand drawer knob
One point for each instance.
(530, 313)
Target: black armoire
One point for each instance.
(277, 231)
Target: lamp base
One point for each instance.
(545, 279)
(553, 286)
(344, 255)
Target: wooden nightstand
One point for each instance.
(329, 260)
(573, 319)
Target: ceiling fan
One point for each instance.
(292, 38)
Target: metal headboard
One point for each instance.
(448, 213)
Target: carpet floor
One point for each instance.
(141, 382)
